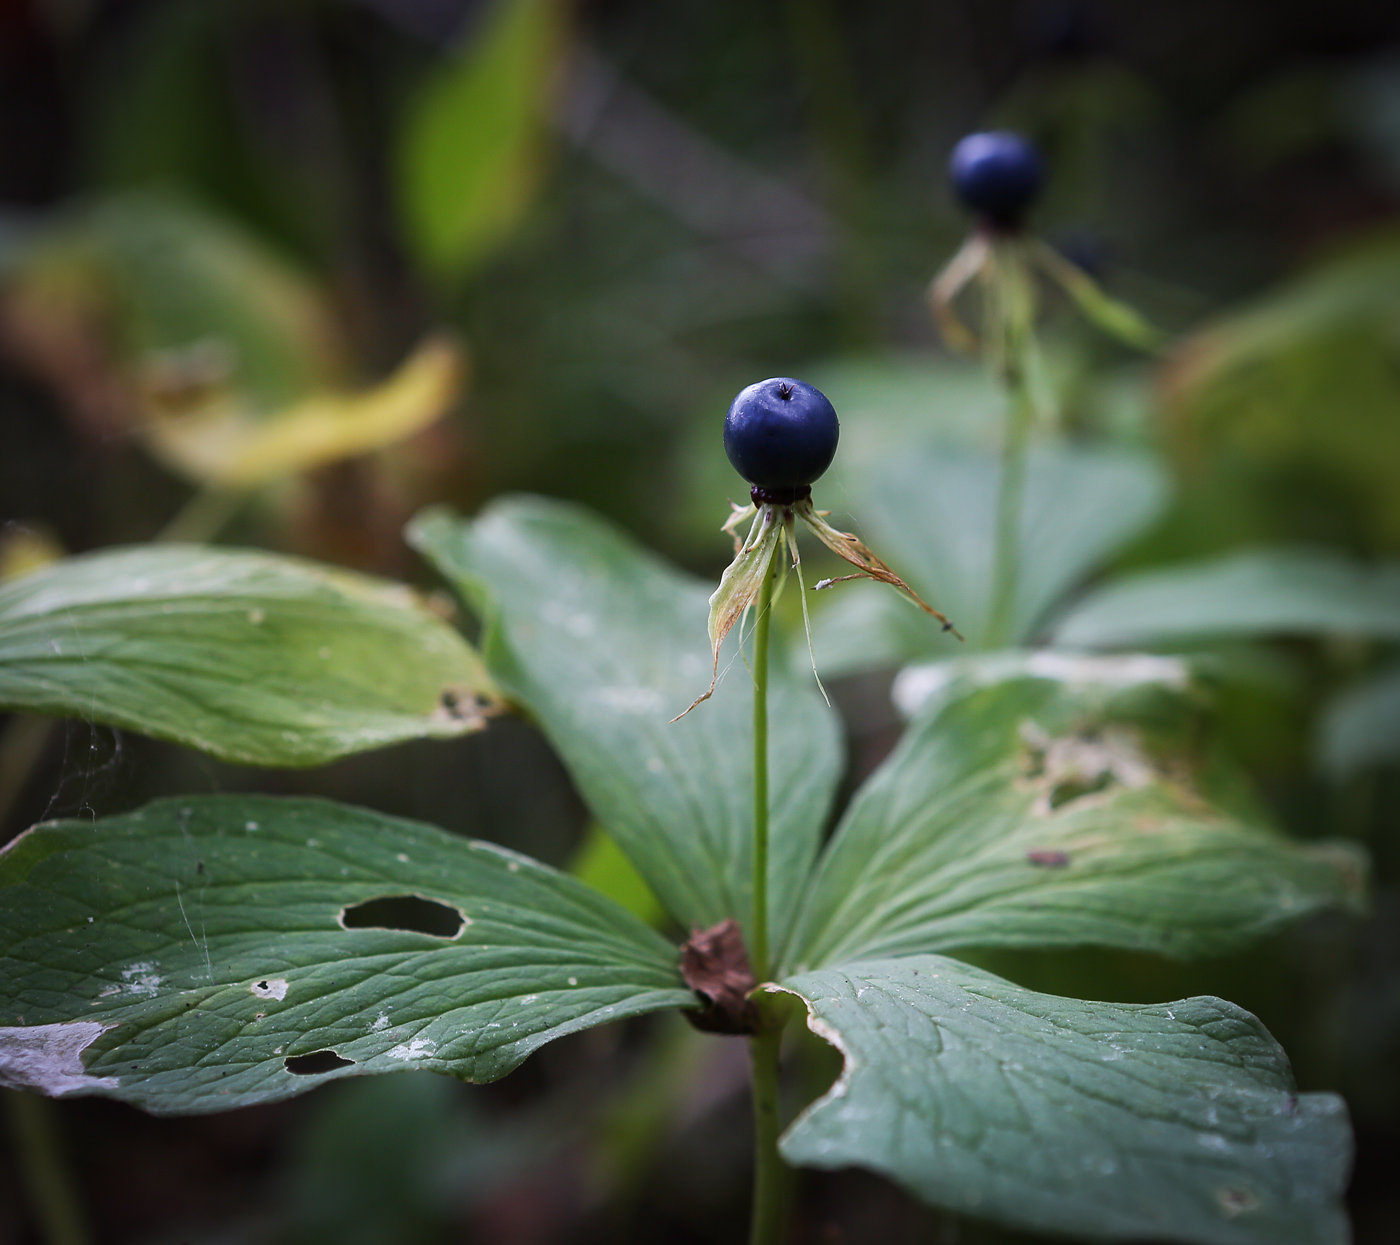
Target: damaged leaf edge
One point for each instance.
(49, 1058)
(781, 1003)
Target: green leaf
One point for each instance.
(253, 657)
(183, 278)
(1362, 726)
(861, 627)
(1283, 591)
(180, 956)
(605, 644)
(599, 863)
(933, 516)
(1298, 390)
(1044, 812)
(1174, 1122)
(473, 149)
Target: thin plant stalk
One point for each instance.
(769, 1171)
(52, 1195)
(769, 1179)
(1011, 311)
(204, 516)
(758, 932)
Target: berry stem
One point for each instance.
(1011, 317)
(769, 1176)
(758, 931)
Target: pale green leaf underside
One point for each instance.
(1281, 591)
(253, 657)
(176, 956)
(1170, 1122)
(933, 518)
(1035, 813)
(605, 645)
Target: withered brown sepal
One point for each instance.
(715, 964)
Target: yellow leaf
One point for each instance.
(220, 441)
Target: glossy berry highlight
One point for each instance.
(781, 434)
(998, 174)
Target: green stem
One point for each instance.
(204, 515)
(769, 1182)
(769, 1172)
(55, 1201)
(758, 931)
(1011, 310)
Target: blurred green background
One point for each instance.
(285, 271)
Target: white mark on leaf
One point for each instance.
(140, 979)
(416, 1049)
(49, 1058)
(271, 988)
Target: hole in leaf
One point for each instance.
(317, 1062)
(411, 913)
(1077, 787)
(462, 705)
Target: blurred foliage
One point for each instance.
(472, 153)
(226, 359)
(696, 220)
(1302, 388)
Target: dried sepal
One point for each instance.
(742, 580)
(790, 533)
(868, 566)
(1115, 318)
(738, 514)
(1003, 264)
(970, 261)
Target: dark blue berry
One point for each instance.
(998, 175)
(780, 434)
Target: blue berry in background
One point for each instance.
(780, 434)
(998, 175)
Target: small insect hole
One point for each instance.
(460, 705)
(410, 913)
(316, 1063)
